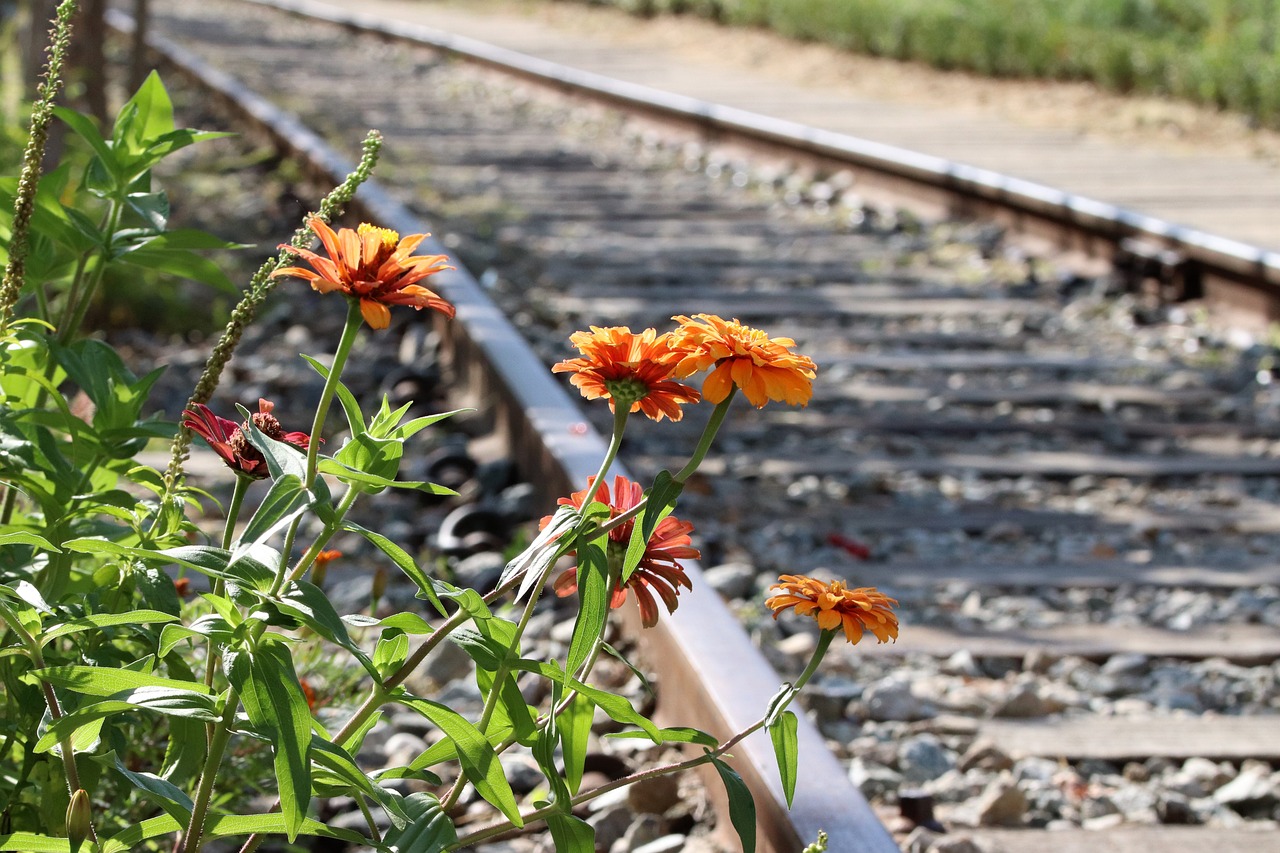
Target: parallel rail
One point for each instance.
(1186, 262)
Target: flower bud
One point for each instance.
(79, 822)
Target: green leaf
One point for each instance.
(429, 829)
(161, 792)
(308, 602)
(389, 653)
(545, 549)
(409, 623)
(742, 808)
(146, 116)
(786, 748)
(617, 707)
(336, 760)
(661, 501)
(677, 734)
(23, 537)
(164, 701)
(129, 839)
(231, 826)
(479, 761)
(575, 733)
(571, 834)
(286, 500)
(106, 620)
(180, 263)
(350, 406)
(594, 590)
(109, 680)
(274, 701)
(30, 842)
(87, 130)
(406, 564)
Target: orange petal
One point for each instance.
(377, 315)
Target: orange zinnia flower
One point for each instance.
(633, 369)
(763, 367)
(832, 606)
(658, 571)
(368, 264)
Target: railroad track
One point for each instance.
(980, 419)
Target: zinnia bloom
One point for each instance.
(370, 265)
(832, 606)
(763, 367)
(628, 368)
(658, 571)
(231, 440)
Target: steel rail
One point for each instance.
(1187, 262)
(722, 682)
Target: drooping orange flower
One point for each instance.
(628, 368)
(832, 606)
(764, 368)
(373, 265)
(231, 440)
(659, 569)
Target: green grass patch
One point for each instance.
(1222, 53)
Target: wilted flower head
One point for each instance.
(231, 440)
(658, 571)
(628, 368)
(832, 606)
(763, 367)
(370, 265)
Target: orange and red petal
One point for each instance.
(377, 315)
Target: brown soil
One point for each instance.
(1077, 107)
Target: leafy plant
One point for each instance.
(134, 719)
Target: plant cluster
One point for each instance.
(138, 657)
(1221, 53)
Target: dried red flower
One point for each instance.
(231, 440)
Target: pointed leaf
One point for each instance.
(594, 590)
(406, 564)
(106, 620)
(275, 703)
(429, 829)
(661, 500)
(479, 761)
(742, 808)
(786, 749)
(575, 734)
(571, 834)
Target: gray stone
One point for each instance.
(1254, 788)
(732, 580)
(984, 754)
(829, 696)
(522, 772)
(923, 757)
(962, 663)
(643, 829)
(610, 825)
(402, 748)
(893, 699)
(654, 795)
(447, 662)
(665, 844)
(1036, 769)
(1026, 701)
(1002, 803)
(480, 571)
(956, 844)
(873, 779)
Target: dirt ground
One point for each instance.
(1076, 107)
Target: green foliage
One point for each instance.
(1222, 53)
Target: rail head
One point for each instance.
(722, 680)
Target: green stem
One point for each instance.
(228, 536)
(74, 313)
(708, 436)
(348, 339)
(70, 770)
(204, 792)
(330, 385)
(331, 527)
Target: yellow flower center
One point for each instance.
(389, 238)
